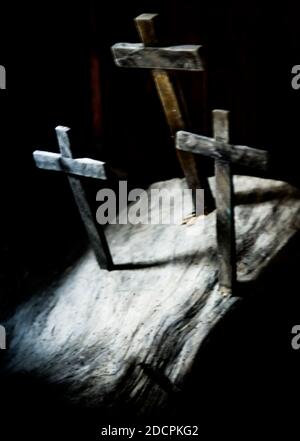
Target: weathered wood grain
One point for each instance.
(93, 332)
(84, 167)
(248, 157)
(173, 109)
(225, 208)
(185, 57)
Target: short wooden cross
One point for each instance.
(224, 154)
(160, 59)
(75, 169)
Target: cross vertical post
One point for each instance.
(224, 208)
(173, 109)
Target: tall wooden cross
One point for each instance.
(75, 169)
(148, 55)
(224, 154)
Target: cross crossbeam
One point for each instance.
(89, 168)
(237, 154)
(75, 170)
(185, 57)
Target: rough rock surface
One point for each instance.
(106, 335)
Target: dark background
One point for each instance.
(47, 49)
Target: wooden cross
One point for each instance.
(148, 56)
(75, 169)
(224, 154)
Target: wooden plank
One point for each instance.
(95, 233)
(225, 209)
(241, 155)
(174, 114)
(89, 168)
(184, 57)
